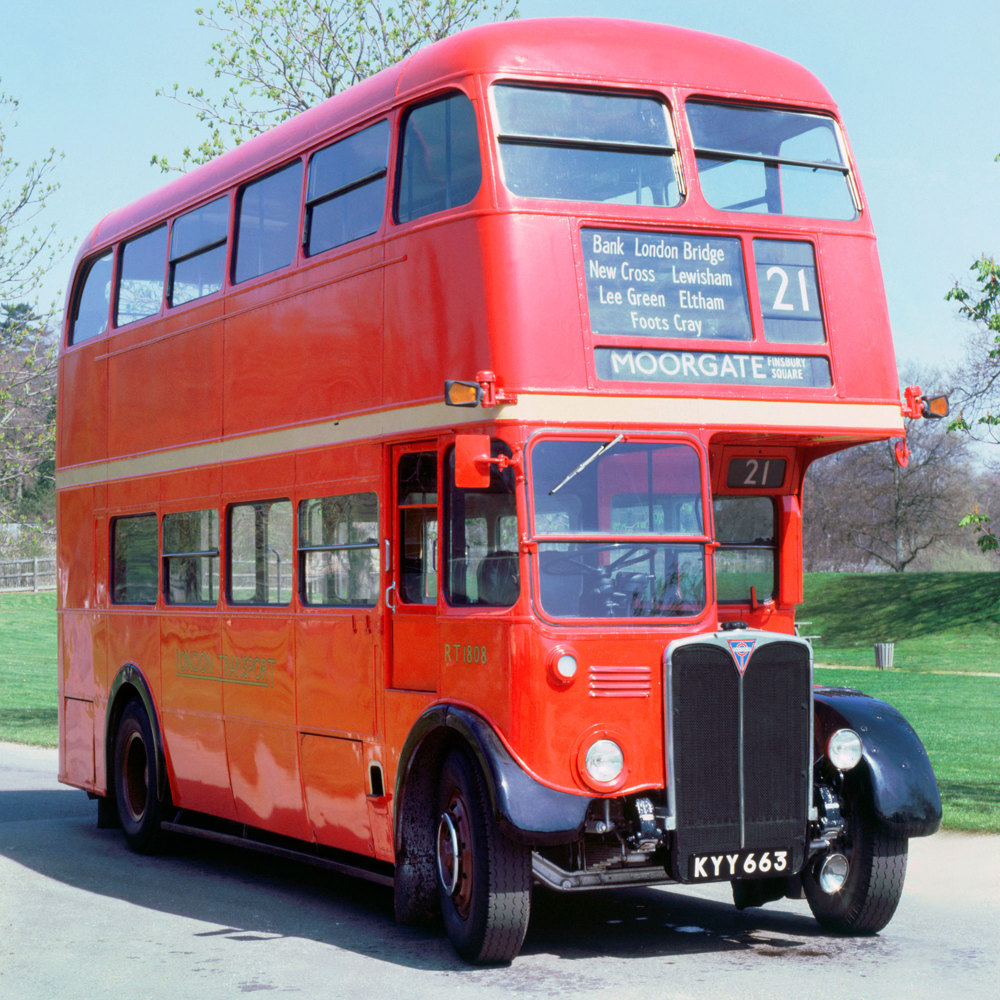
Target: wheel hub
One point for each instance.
(454, 854)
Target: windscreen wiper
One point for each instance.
(593, 458)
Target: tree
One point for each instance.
(27, 359)
(285, 56)
(27, 250)
(979, 376)
(27, 423)
(862, 511)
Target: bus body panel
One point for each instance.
(365, 620)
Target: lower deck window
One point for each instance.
(260, 552)
(191, 557)
(338, 551)
(133, 559)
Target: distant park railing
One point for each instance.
(34, 574)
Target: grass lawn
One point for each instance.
(957, 715)
(957, 718)
(28, 680)
(938, 621)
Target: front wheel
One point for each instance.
(484, 879)
(869, 896)
(135, 780)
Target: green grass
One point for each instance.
(957, 717)
(28, 678)
(951, 625)
(937, 621)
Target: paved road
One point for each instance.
(82, 917)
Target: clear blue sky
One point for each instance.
(916, 81)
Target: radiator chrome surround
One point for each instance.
(721, 691)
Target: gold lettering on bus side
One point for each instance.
(460, 652)
(200, 664)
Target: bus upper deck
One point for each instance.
(627, 243)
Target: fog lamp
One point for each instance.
(844, 749)
(604, 761)
(833, 873)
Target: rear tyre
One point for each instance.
(135, 780)
(484, 879)
(869, 897)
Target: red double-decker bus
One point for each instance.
(429, 487)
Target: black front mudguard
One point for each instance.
(526, 810)
(904, 791)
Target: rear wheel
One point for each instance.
(869, 896)
(135, 779)
(484, 879)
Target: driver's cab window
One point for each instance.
(481, 550)
(418, 527)
(746, 560)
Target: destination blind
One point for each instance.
(665, 285)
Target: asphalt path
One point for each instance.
(82, 917)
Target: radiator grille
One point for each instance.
(740, 749)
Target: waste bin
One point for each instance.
(883, 655)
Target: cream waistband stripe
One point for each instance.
(583, 410)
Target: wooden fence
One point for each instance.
(28, 574)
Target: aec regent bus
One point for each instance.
(429, 487)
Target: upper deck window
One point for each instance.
(346, 195)
(198, 252)
(93, 300)
(575, 146)
(771, 162)
(440, 166)
(140, 283)
(268, 223)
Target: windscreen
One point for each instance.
(620, 528)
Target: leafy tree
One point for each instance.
(27, 363)
(27, 250)
(282, 57)
(979, 376)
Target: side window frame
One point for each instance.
(445, 199)
(121, 277)
(293, 224)
(315, 201)
(188, 254)
(83, 278)
(261, 551)
(123, 566)
(361, 557)
(194, 556)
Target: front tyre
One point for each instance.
(135, 781)
(869, 896)
(484, 879)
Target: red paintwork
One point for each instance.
(496, 285)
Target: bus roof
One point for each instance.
(567, 49)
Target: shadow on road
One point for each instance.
(248, 897)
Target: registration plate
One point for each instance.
(737, 864)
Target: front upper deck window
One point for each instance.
(575, 146)
(771, 162)
(620, 528)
